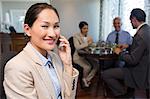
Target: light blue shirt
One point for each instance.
(52, 72)
(124, 37)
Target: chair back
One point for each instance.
(3, 60)
(71, 45)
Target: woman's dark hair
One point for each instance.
(34, 11)
(139, 14)
(82, 24)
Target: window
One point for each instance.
(125, 8)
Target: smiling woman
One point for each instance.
(37, 70)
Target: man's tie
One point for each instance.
(117, 38)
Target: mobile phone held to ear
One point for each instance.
(59, 44)
(58, 41)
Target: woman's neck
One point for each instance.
(85, 35)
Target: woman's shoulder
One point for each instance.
(76, 35)
(18, 62)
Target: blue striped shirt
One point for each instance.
(124, 37)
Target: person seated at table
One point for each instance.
(135, 74)
(120, 37)
(81, 41)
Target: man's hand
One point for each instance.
(123, 46)
(117, 50)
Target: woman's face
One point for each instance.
(45, 31)
(84, 30)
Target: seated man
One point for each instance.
(135, 73)
(120, 37)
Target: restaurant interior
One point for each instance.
(99, 15)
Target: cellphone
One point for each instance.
(58, 41)
(59, 44)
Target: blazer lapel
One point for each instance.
(40, 70)
(47, 80)
(80, 38)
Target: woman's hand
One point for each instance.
(65, 54)
(89, 40)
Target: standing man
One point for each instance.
(135, 74)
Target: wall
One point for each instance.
(14, 12)
(6, 6)
(73, 11)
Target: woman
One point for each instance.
(37, 72)
(82, 40)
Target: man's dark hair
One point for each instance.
(139, 14)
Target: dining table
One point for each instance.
(100, 54)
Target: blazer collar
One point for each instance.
(32, 54)
(139, 28)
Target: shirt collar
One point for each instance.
(42, 58)
(140, 26)
(118, 31)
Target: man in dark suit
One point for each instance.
(135, 73)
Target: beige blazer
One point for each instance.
(79, 44)
(26, 78)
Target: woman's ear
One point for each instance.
(27, 30)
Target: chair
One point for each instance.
(4, 58)
(78, 67)
(71, 45)
(12, 29)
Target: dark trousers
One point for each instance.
(113, 77)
